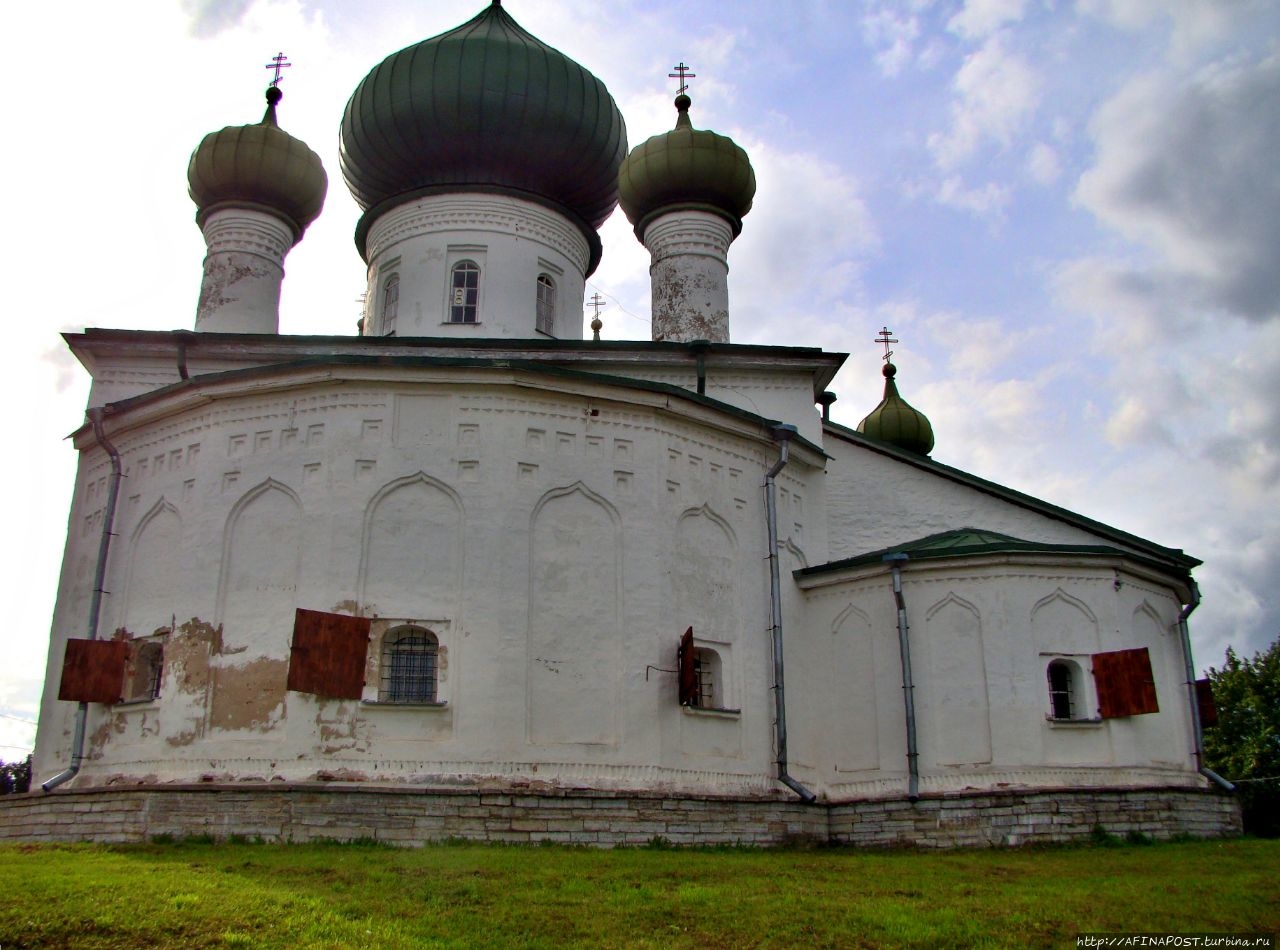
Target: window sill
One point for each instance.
(461, 323)
(384, 704)
(714, 712)
(1069, 723)
(133, 703)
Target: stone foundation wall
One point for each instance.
(311, 812)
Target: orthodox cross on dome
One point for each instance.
(682, 73)
(278, 62)
(597, 304)
(886, 337)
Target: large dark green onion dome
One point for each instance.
(897, 422)
(258, 166)
(483, 107)
(686, 168)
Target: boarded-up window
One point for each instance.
(1126, 685)
(93, 671)
(328, 654)
(686, 664)
(1208, 708)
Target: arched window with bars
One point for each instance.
(409, 667)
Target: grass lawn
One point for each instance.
(189, 894)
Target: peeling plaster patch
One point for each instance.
(340, 728)
(340, 775)
(219, 277)
(347, 607)
(247, 696)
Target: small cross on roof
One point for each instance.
(682, 73)
(278, 62)
(886, 337)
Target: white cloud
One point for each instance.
(987, 199)
(802, 246)
(980, 18)
(211, 17)
(1187, 168)
(892, 34)
(995, 91)
(1194, 23)
(1043, 164)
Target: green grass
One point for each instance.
(186, 894)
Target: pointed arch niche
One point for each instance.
(1061, 623)
(155, 577)
(575, 610)
(704, 573)
(261, 553)
(411, 554)
(958, 730)
(850, 658)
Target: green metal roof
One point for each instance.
(970, 542)
(486, 106)
(686, 168)
(260, 166)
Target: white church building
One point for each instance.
(469, 574)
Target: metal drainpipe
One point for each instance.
(1197, 729)
(95, 602)
(908, 687)
(699, 349)
(782, 435)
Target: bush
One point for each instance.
(15, 777)
(1245, 744)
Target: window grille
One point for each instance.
(464, 293)
(546, 318)
(409, 667)
(704, 668)
(148, 671)
(1062, 701)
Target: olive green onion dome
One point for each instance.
(484, 107)
(258, 166)
(686, 168)
(896, 422)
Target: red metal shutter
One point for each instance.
(1126, 685)
(1208, 708)
(93, 671)
(328, 654)
(688, 673)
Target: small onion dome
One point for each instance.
(484, 107)
(258, 166)
(686, 168)
(896, 422)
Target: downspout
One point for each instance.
(908, 687)
(95, 602)
(699, 349)
(1196, 727)
(782, 434)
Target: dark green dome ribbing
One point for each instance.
(686, 168)
(258, 166)
(483, 107)
(896, 422)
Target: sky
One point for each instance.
(1068, 213)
